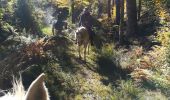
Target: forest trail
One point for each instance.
(84, 78)
(57, 56)
(107, 67)
(130, 58)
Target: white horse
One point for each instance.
(36, 91)
(82, 39)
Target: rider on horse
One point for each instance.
(85, 19)
(58, 24)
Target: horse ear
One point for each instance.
(37, 89)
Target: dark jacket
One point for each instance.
(85, 19)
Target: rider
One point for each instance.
(58, 23)
(85, 20)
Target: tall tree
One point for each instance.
(72, 11)
(112, 5)
(99, 11)
(121, 19)
(139, 8)
(131, 17)
(117, 11)
(109, 9)
(24, 13)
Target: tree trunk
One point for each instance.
(139, 9)
(109, 9)
(72, 11)
(99, 11)
(112, 6)
(113, 3)
(121, 20)
(117, 12)
(131, 18)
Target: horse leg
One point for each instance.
(88, 46)
(79, 51)
(84, 53)
(66, 25)
(85, 47)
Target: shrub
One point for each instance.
(127, 90)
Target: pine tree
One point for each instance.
(131, 18)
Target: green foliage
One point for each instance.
(156, 82)
(108, 51)
(24, 13)
(152, 95)
(166, 2)
(28, 18)
(7, 11)
(164, 37)
(47, 30)
(161, 83)
(108, 62)
(127, 90)
(1, 13)
(168, 56)
(94, 8)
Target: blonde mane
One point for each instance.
(36, 91)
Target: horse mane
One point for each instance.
(16, 93)
(36, 91)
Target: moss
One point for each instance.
(47, 31)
